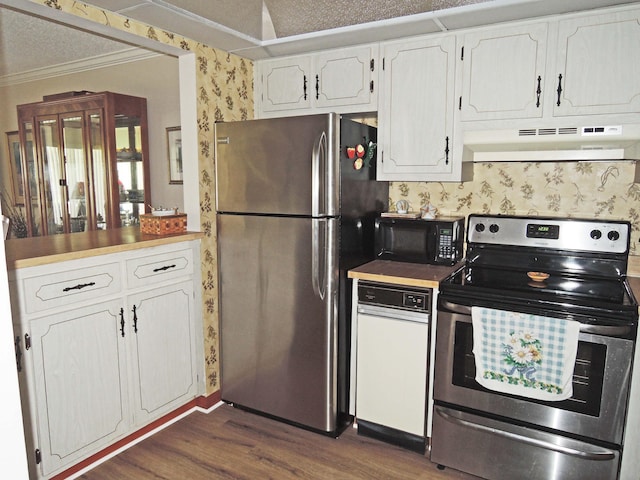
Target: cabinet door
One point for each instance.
(416, 109)
(503, 72)
(598, 65)
(80, 383)
(286, 84)
(346, 77)
(162, 333)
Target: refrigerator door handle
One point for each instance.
(318, 257)
(318, 189)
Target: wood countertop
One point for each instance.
(35, 251)
(401, 273)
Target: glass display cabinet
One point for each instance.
(85, 158)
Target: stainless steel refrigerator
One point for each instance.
(295, 213)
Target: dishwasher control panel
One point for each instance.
(394, 296)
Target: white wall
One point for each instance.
(155, 78)
(13, 455)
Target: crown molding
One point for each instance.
(77, 66)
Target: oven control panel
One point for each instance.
(586, 235)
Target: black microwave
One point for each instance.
(435, 241)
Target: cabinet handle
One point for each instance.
(166, 267)
(559, 88)
(122, 321)
(446, 151)
(80, 286)
(317, 87)
(135, 320)
(538, 91)
(18, 354)
(372, 64)
(304, 86)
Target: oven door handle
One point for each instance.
(597, 453)
(608, 330)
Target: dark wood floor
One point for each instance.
(233, 444)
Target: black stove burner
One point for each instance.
(513, 289)
(580, 289)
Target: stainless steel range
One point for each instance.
(561, 271)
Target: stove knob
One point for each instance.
(613, 235)
(596, 234)
(493, 228)
(479, 227)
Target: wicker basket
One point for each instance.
(163, 225)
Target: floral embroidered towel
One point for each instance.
(521, 354)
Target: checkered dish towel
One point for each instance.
(527, 355)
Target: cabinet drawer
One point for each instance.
(159, 268)
(72, 286)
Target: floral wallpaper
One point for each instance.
(224, 85)
(603, 190)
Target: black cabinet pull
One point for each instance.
(122, 321)
(166, 267)
(446, 151)
(317, 87)
(371, 86)
(559, 88)
(304, 86)
(135, 320)
(538, 91)
(18, 353)
(80, 286)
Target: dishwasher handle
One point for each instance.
(394, 313)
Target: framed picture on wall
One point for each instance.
(15, 167)
(174, 152)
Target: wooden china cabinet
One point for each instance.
(85, 160)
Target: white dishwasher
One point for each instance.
(392, 363)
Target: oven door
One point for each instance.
(597, 409)
(497, 450)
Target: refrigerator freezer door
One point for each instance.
(283, 166)
(278, 315)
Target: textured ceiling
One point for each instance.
(318, 15)
(29, 43)
(255, 28)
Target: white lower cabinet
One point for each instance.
(80, 382)
(96, 368)
(163, 365)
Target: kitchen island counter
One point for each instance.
(35, 251)
(403, 273)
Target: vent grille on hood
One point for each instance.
(530, 132)
(599, 142)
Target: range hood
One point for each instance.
(593, 142)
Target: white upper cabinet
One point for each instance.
(598, 65)
(285, 84)
(343, 81)
(581, 66)
(346, 77)
(503, 73)
(415, 116)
